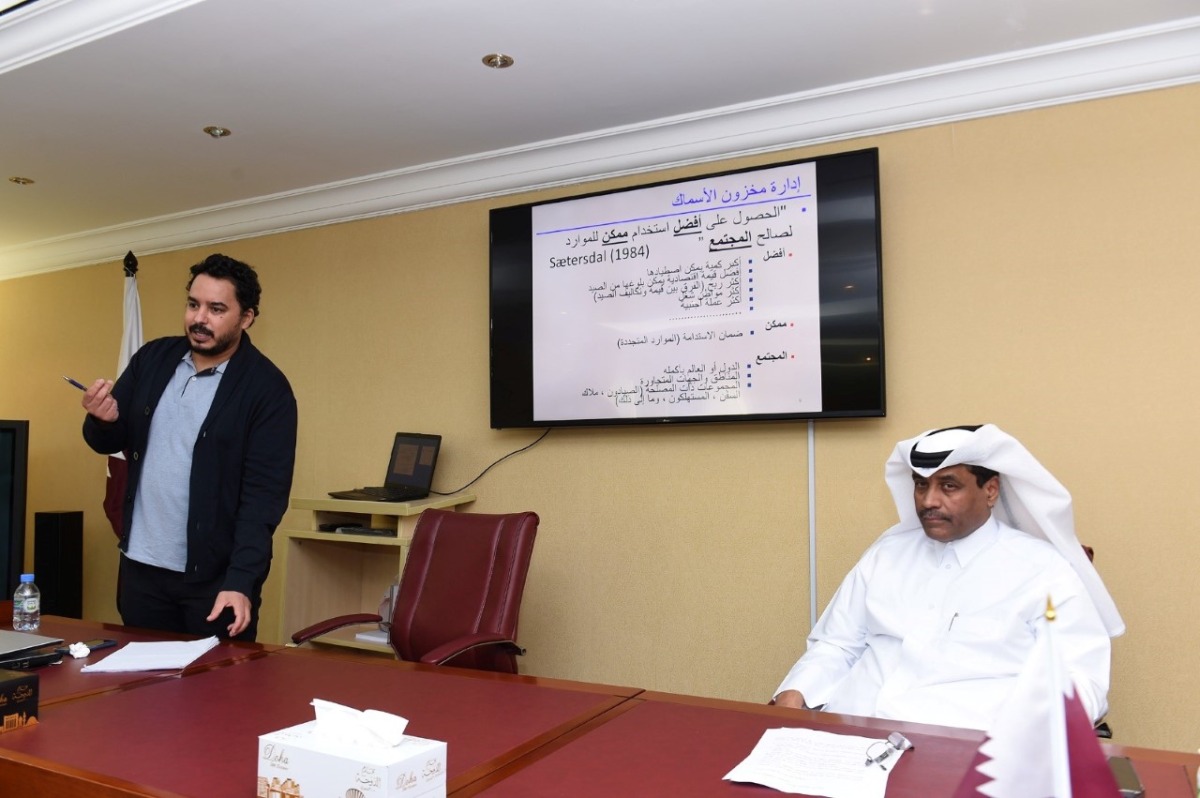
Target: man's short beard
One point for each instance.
(216, 346)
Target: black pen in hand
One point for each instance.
(76, 383)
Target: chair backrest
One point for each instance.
(465, 574)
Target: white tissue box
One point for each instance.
(307, 763)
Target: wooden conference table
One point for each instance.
(660, 744)
(195, 733)
(64, 682)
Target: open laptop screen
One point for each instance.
(414, 457)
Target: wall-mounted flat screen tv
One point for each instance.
(746, 295)
(14, 480)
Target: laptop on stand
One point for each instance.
(409, 472)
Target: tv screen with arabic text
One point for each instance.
(747, 295)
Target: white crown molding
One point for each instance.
(1140, 60)
(49, 27)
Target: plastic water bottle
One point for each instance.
(27, 605)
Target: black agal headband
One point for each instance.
(933, 449)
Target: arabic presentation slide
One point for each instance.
(689, 299)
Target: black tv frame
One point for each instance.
(852, 339)
(14, 438)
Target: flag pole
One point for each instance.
(1060, 755)
(131, 341)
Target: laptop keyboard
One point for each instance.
(395, 494)
(381, 494)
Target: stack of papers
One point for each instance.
(813, 762)
(169, 655)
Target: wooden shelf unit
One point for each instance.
(325, 574)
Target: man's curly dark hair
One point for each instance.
(243, 277)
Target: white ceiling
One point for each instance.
(343, 110)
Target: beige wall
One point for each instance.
(1040, 273)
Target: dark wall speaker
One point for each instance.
(58, 562)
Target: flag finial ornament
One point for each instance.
(130, 264)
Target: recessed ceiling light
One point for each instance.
(218, 132)
(498, 60)
(21, 181)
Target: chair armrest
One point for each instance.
(325, 627)
(450, 650)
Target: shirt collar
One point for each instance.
(217, 369)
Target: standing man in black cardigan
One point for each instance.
(208, 425)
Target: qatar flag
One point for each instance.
(1042, 744)
(131, 341)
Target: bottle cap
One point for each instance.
(26, 577)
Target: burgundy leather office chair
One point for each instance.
(460, 593)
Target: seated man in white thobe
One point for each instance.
(936, 620)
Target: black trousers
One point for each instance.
(149, 597)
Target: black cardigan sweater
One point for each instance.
(242, 461)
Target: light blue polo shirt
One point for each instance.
(158, 533)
